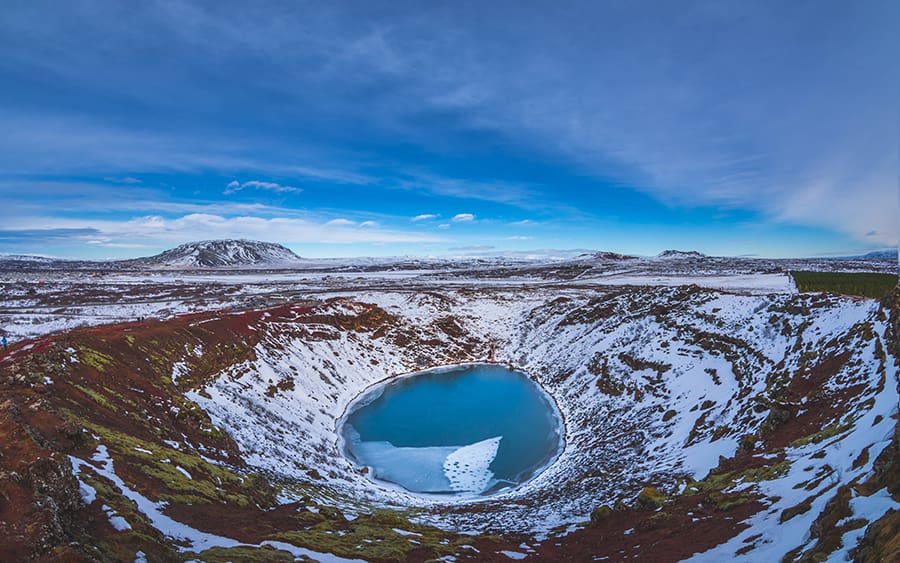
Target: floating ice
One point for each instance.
(420, 470)
(434, 469)
(467, 468)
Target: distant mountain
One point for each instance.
(886, 254)
(889, 254)
(680, 254)
(222, 253)
(27, 258)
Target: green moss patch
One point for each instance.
(865, 284)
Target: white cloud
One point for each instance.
(424, 217)
(71, 195)
(235, 186)
(154, 230)
(444, 226)
(106, 244)
(518, 237)
(341, 222)
(463, 218)
(368, 224)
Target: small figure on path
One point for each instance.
(3, 342)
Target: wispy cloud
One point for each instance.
(463, 218)
(70, 196)
(661, 119)
(54, 142)
(473, 248)
(50, 235)
(125, 180)
(341, 222)
(106, 243)
(153, 231)
(694, 105)
(234, 186)
(495, 190)
(424, 217)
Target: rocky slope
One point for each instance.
(711, 425)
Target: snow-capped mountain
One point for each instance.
(224, 253)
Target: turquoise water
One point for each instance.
(472, 429)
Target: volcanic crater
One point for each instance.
(214, 433)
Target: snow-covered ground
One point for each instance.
(706, 357)
(658, 373)
(741, 283)
(196, 540)
(38, 303)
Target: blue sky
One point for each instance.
(411, 128)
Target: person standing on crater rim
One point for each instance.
(3, 341)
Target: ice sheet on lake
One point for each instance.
(468, 467)
(420, 470)
(433, 469)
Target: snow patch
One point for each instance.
(196, 539)
(88, 493)
(405, 532)
(116, 521)
(179, 369)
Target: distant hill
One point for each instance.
(886, 254)
(27, 258)
(611, 256)
(889, 254)
(222, 253)
(680, 254)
